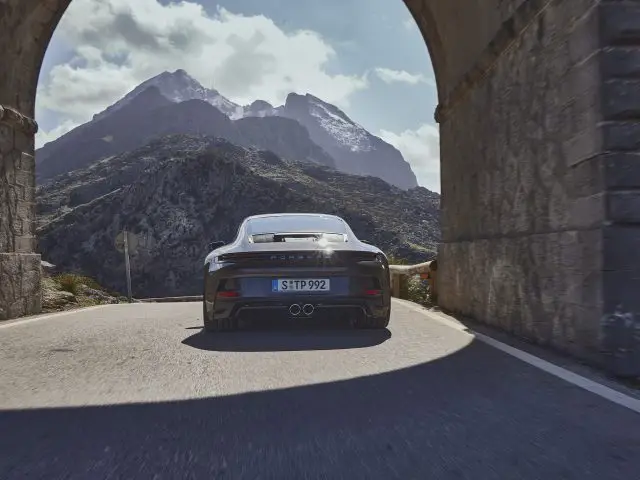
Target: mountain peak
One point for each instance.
(260, 105)
(355, 149)
(329, 118)
(306, 97)
(178, 86)
(259, 108)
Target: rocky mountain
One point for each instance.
(354, 149)
(150, 115)
(317, 131)
(181, 191)
(178, 87)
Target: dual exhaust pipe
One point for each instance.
(296, 309)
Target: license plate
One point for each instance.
(301, 285)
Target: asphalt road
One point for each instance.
(137, 391)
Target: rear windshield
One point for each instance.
(265, 228)
(298, 237)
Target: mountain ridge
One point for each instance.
(150, 115)
(351, 148)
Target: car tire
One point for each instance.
(210, 323)
(374, 323)
(218, 325)
(221, 325)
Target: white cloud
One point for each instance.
(409, 24)
(421, 148)
(120, 43)
(43, 137)
(388, 75)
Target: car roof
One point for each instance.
(267, 215)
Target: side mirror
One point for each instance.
(215, 245)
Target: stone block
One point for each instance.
(621, 170)
(623, 207)
(621, 98)
(621, 248)
(619, 23)
(621, 136)
(620, 63)
(20, 285)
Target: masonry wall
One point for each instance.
(522, 213)
(616, 158)
(20, 270)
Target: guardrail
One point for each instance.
(400, 274)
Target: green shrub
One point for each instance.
(418, 291)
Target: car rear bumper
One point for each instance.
(360, 288)
(321, 306)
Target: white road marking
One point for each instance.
(14, 323)
(562, 373)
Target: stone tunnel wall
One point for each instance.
(542, 229)
(522, 234)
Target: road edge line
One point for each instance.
(37, 318)
(568, 376)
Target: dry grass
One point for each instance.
(71, 282)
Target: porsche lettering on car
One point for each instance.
(295, 265)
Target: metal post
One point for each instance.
(395, 285)
(127, 264)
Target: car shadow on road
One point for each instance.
(287, 340)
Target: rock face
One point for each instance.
(260, 108)
(107, 136)
(354, 149)
(66, 292)
(284, 136)
(180, 192)
(305, 128)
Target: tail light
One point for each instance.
(373, 292)
(228, 294)
(228, 288)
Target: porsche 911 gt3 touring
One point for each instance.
(296, 266)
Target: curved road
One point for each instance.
(137, 391)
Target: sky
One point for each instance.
(365, 56)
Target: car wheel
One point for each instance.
(221, 325)
(374, 323)
(224, 325)
(207, 324)
(217, 325)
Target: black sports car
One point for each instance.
(298, 266)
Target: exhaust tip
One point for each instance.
(295, 309)
(308, 309)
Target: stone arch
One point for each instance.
(538, 111)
